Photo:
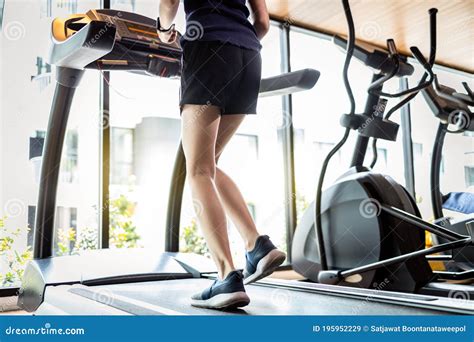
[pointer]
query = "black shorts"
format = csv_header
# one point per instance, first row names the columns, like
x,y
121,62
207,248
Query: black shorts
x,y
222,75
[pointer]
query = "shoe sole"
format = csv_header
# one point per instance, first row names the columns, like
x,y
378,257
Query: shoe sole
x,y
266,266
225,301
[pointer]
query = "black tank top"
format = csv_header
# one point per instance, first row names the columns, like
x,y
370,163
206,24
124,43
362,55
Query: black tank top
x,y
220,20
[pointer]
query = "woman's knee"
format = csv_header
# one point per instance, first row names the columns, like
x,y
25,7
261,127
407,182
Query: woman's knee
x,y
200,171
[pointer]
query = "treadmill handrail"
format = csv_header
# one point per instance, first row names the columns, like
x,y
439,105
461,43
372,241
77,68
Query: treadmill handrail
x,y
87,45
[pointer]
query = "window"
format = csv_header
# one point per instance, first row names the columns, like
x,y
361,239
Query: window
x,y
43,73
54,8
417,150
468,134
121,155
125,5
455,168
66,231
250,141
316,112
2,5
31,225
323,148
382,158
469,168
25,121
69,167
469,175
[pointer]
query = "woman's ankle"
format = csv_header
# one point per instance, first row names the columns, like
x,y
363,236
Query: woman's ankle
x,y
223,273
250,242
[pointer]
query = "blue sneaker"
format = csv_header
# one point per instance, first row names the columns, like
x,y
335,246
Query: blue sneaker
x,y
263,260
224,294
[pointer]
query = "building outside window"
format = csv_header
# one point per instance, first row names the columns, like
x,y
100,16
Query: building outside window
x,y
121,155
66,230
69,163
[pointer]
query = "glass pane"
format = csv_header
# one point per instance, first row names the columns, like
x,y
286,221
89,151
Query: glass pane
x,y
145,132
316,113
253,159
458,151
27,89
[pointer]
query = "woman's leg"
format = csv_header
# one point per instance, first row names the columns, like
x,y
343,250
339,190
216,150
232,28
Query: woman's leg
x,y
200,125
263,258
230,195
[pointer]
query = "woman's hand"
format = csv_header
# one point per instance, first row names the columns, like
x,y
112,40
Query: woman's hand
x,y
168,37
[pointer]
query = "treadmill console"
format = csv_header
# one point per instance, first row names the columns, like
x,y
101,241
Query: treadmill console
x,y
114,40
134,27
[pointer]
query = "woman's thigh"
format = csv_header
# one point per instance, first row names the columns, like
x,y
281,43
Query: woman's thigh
x,y
200,127
227,128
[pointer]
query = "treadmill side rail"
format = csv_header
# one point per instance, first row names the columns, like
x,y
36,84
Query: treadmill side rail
x,y
33,286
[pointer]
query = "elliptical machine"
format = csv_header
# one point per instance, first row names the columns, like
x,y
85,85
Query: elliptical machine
x,y
452,110
365,230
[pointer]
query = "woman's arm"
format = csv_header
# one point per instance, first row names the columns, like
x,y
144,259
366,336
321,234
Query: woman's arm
x,y
261,17
168,10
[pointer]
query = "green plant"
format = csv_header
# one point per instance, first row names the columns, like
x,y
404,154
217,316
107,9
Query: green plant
x,y
12,260
66,238
193,241
87,239
123,232
301,205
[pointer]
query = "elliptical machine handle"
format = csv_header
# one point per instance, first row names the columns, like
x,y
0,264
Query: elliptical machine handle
x,y
427,65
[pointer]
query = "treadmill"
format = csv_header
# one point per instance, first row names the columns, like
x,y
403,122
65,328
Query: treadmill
x,y
141,281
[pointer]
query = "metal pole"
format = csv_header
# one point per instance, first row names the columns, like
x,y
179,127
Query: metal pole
x,y
436,161
407,142
288,146
67,81
360,149
104,199
175,199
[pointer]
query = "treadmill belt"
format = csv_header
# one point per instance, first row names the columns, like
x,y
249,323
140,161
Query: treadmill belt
x,y
171,297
